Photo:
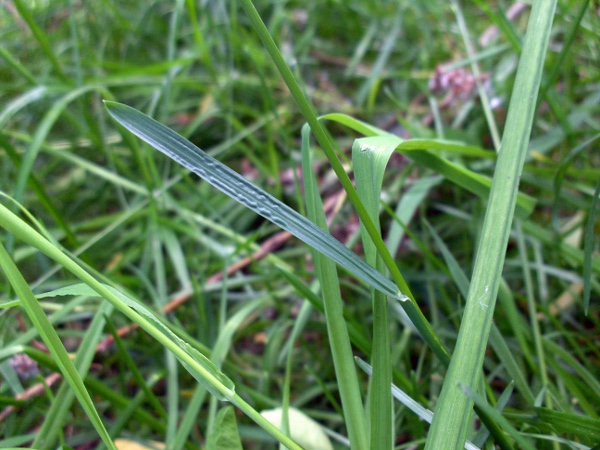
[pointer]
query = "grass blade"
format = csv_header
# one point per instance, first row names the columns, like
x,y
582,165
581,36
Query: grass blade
x,y
588,249
407,400
459,277
451,419
341,349
322,137
202,369
96,387
369,163
406,208
422,151
585,428
55,419
53,342
42,38
499,419
231,183
41,134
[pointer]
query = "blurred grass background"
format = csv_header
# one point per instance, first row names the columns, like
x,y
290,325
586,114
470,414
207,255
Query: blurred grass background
x,y
141,221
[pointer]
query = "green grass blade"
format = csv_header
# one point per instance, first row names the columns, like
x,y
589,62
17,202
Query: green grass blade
x,y
42,38
585,375
485,101
55,418
399,394
453,411
501,348
231,183
53,342
407,400
559,176
498,418
421,151
459,277
190,417
19,103
45,199
567,251
534,321
133,406
225,434
40,136
136,374
16,65
327,146
484,432
341,349
588,247
98,388
585,428
200,367
406,208
497,342
587,400
357,336
369,161
517,323
370,85
373,154
97,170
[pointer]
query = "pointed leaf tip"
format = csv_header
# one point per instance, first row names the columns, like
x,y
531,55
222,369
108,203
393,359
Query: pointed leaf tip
x,y
241,190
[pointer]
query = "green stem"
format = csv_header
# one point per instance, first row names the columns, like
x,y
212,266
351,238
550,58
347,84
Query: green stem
x,y
21,230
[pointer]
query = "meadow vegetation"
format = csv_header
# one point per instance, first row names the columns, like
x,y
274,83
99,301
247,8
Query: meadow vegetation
x,y
394,212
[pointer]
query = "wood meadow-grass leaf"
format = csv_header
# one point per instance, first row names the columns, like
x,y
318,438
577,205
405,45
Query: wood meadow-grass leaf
x,y
238,188
452,413
423,152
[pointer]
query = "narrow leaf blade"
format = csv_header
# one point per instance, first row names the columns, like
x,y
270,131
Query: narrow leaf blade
x,y
231,183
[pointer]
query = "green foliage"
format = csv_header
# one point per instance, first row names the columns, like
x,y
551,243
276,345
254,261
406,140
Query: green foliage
x,y
391,252
225,434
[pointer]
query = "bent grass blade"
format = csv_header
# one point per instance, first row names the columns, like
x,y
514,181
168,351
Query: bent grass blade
x,y
138,313
422,151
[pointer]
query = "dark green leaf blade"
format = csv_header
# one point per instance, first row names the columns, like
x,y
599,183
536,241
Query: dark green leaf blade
x,y
231,183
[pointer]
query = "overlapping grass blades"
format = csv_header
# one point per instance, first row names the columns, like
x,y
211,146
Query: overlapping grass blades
x,y
366,203
370,157
231,183
58,413
337,330
197,364
424,152
241,190
369,179
181,67
328,148
53,342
